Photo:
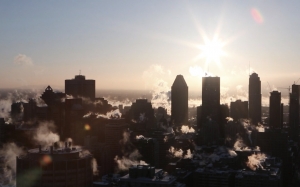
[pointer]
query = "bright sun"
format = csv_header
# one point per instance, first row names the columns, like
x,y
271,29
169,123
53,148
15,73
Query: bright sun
x,y
211,50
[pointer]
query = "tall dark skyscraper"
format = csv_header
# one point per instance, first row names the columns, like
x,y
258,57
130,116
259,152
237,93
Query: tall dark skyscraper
x,y
254,98
294,112
210,99
80,87
275,110
179,101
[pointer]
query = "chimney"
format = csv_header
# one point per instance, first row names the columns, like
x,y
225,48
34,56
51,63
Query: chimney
x,y
66,145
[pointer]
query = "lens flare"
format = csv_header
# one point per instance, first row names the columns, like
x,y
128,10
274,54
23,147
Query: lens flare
x,y
46,159
256,15
87,127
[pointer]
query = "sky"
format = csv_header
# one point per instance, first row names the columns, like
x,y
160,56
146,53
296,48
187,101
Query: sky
x,y
134,45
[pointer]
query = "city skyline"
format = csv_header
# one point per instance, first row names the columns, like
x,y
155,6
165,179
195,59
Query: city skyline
x,y
45,43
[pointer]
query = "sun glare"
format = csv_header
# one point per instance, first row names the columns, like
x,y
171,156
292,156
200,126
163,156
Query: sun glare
x,y
212,50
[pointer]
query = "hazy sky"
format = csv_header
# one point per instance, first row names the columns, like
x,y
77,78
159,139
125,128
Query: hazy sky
x,y
134,44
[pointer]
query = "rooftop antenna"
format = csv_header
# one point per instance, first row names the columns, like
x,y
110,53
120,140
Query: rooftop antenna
x,y
297,81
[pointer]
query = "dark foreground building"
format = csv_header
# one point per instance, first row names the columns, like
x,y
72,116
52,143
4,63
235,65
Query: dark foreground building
x,y
179,101
55,167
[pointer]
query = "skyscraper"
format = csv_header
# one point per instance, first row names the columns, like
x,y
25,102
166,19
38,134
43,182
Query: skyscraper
x,y
210,99
294,112
80,87
179,101
275,110
254,98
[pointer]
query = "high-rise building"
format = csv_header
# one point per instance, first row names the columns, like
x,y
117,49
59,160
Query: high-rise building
x,y
68,166
179,101
254,98
210,99
294,112
80,87
275,110
239,109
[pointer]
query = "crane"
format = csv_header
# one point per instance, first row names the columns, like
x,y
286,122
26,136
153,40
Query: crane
x,y
289,88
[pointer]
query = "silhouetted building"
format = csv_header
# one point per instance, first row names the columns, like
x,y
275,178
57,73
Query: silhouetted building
x,y
142,114
239,109
30,110
51,98
73,113
294,112
80,87
254,98
276,112
149,149
210,110
113,134
67,166
179,101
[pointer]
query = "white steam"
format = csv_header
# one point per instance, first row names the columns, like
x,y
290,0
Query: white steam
x,y
8,155
186,129
44,134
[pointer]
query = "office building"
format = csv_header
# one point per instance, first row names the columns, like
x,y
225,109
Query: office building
x,y
294,112
80,87
239,110
210,110
254,98
179,101
60,167
275,111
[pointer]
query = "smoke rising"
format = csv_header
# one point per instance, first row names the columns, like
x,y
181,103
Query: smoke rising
x,y
186,129
255,161
44,134
8,155
130,155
